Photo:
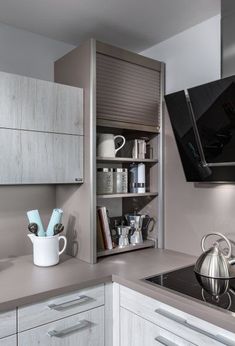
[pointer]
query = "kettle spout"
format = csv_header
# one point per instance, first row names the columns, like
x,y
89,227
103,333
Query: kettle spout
x,y
31,237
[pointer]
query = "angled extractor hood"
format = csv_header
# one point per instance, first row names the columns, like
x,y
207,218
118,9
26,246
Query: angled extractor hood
x,y
203,117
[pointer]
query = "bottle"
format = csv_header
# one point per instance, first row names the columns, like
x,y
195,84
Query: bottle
x,y
141,178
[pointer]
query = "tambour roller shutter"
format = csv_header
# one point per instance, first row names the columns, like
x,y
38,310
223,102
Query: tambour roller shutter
x,y
127,92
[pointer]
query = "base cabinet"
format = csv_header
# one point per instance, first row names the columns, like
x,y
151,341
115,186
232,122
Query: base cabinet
x,y
84,329
136,331
9,341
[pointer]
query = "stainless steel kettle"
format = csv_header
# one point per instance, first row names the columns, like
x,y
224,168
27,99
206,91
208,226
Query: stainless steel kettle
x,y
214,263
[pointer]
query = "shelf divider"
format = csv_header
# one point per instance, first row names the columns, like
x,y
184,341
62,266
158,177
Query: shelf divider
x,y
128,195
124,159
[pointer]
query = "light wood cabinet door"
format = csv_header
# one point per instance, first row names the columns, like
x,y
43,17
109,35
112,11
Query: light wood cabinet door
x,y
7,323
55,308
85,329
28,157
9,341
32,104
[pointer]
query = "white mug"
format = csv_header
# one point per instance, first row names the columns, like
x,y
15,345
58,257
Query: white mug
x,y
106,145
46,251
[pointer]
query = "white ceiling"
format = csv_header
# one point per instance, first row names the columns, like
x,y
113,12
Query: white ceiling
x,y
132,24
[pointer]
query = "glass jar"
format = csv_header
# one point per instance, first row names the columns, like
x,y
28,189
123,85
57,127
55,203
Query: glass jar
x,y
104,181
120,180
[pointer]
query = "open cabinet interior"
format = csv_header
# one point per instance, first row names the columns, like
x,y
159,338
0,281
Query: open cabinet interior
x,y
123,93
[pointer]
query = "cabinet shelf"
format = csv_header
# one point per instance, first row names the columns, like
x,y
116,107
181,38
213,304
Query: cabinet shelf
x,y
124,160
128,195
145,244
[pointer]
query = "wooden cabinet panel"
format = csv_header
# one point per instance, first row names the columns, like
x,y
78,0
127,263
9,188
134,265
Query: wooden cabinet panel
x,y
29,157
127,92
82,329
31,104
188,327
7,323
136,331
9,341
59,307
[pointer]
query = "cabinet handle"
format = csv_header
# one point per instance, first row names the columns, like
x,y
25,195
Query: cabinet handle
x,y
164,341
184,322
66,305
76,328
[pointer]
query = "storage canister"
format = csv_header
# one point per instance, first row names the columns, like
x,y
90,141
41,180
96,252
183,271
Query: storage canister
x,y
104,181
120,180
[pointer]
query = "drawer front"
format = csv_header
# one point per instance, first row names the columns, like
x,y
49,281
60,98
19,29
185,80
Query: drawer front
x,y
59,307
9,341
82,329
136,331
186,326
7,323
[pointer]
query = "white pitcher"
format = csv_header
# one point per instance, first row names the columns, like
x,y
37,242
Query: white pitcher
x,y
106,145
46,251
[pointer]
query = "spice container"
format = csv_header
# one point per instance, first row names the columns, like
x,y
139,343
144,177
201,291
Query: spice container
x,y
120,180
104,181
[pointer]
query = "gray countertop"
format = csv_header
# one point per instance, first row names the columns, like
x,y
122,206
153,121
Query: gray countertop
x,y
23,283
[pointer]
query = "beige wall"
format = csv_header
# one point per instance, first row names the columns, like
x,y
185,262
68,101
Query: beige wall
x,y
31,55
192,57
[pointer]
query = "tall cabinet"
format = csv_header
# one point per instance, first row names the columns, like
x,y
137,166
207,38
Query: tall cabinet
x,y
123,94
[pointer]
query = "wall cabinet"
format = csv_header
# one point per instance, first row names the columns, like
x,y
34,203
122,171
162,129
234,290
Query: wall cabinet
x,y
41,131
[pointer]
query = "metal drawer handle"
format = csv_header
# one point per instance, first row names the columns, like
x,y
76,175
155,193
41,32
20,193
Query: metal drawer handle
x,y
76,328
164,341
184,322
66,305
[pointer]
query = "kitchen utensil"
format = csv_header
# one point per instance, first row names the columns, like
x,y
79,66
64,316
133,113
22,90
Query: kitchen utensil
x,y
46,251
136,237
106,144
123,232
56,218
213,262
104,181
148,224
58,228
135,149
33,228
34,217
141,149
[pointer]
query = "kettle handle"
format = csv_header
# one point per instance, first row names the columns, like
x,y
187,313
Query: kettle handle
x,y
220,235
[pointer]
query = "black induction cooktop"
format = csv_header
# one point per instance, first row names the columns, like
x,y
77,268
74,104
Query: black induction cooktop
x,y
218,292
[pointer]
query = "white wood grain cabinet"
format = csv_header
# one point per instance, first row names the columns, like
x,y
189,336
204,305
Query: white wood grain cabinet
x,y
9,341
7,323
32,104
174,321
84,329
41,132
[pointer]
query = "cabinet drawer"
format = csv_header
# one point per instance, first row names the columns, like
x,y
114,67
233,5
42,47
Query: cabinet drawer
x,y
82,329
182,324
136,331
59,307
9,341
7,323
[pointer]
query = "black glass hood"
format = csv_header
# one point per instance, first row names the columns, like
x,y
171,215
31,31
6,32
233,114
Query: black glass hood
x,y
203,121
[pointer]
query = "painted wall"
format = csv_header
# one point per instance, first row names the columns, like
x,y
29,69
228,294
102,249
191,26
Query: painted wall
x,y
31,55
192,57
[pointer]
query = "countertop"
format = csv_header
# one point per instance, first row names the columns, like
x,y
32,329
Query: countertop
x,y
23,283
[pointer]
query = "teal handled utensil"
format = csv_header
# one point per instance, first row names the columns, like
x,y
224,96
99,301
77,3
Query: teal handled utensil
x,y
33,228
34,217
58,228
55,219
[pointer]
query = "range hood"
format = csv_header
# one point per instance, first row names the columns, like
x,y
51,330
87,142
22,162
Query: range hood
x,y
203,117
